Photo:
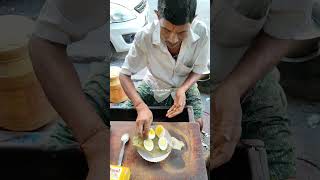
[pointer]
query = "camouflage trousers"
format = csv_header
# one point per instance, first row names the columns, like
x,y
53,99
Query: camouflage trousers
x,y
264,117
193,99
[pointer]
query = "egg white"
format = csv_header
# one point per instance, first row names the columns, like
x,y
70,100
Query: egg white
x,y
148,144
151,134
163,143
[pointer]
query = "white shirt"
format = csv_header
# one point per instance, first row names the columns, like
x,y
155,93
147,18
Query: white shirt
x,y
165,74
66,22
234,28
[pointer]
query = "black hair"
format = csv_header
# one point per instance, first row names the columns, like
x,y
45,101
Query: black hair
x,y
178,12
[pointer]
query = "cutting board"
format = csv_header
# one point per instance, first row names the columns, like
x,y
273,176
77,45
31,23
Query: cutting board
x,y
185,164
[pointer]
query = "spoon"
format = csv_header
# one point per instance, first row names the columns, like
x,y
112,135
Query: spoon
x,y
124,139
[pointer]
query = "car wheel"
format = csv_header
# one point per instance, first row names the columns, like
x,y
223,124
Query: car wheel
x,y
114,55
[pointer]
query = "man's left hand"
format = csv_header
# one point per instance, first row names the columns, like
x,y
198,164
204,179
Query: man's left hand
x,y
179,103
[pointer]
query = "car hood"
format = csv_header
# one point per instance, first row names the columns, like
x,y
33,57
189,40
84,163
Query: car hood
x,y
130,4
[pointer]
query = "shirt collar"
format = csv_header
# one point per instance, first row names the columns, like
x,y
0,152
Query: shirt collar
x,y
193,37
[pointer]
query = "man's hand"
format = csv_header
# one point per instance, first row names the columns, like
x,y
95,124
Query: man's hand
x,y
96,150
179,104
144,119
227,115
264,54
54,69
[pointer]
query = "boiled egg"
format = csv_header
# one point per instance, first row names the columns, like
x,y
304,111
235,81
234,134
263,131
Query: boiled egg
x,y
160,131
151,134
163,143
148,144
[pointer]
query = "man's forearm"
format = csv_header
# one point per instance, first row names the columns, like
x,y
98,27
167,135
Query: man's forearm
x,y
191,79
265,53
130,90
61,85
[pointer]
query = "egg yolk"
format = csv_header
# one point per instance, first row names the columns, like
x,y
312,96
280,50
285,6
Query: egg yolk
x,y
151,134
160,130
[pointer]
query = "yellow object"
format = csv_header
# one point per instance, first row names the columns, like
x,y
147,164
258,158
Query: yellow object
x,y
151,134
160,131
24,106
119,173
117,94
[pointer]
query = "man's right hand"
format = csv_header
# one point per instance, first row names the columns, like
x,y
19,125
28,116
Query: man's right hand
x,y
227,115
144,119
96,150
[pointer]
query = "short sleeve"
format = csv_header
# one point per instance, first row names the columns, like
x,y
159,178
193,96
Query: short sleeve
x,y
136,59
293,19
65,22
203,53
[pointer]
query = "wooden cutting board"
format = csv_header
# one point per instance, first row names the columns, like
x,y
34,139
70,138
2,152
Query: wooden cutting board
x,y
185,164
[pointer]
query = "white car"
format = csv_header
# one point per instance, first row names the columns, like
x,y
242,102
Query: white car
x,y
127,17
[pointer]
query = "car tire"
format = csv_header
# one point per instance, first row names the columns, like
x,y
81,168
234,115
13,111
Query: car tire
x,y
114,55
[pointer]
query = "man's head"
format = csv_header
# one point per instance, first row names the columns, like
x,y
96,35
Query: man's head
x,y
175,17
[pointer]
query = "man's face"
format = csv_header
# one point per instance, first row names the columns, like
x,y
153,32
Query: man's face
x,y
173,35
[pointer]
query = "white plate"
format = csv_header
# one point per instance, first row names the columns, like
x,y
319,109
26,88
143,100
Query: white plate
x,y
146,156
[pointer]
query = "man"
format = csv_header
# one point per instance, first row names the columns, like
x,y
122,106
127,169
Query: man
x,y
59,24
175,49
249,39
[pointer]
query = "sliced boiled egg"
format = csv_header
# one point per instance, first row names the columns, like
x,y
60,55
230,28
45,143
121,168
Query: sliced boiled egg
x,y
151,134
160,131
148,144
163,143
